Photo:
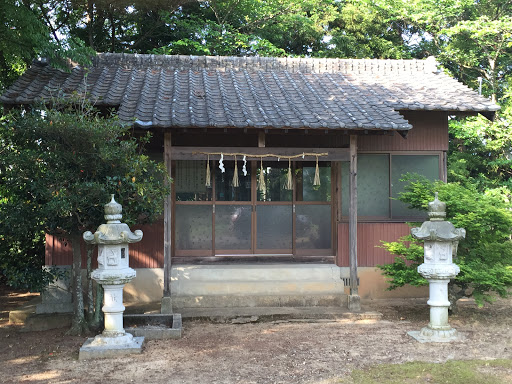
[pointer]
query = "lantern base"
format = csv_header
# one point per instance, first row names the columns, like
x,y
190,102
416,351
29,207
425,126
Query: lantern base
x,y
429,335
101,347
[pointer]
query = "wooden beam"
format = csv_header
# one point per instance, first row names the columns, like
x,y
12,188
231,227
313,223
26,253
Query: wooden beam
x,y
167,218
353,216
198,153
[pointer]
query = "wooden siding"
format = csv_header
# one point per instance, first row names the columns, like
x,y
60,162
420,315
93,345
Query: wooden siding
x,y
429,133
57,251
148,253
369,236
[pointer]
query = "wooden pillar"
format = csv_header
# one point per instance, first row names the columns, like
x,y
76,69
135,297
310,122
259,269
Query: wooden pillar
x,y
166,300
354,301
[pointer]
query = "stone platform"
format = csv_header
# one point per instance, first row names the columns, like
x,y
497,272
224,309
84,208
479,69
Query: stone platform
x,y
153,326
91,349
436,336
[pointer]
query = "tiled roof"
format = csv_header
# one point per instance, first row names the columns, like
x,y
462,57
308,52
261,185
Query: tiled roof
x,y
202,91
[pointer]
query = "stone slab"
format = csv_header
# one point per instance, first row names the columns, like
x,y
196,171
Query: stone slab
x,y
154,326
57,298
27,317
436,339
88,352
54,307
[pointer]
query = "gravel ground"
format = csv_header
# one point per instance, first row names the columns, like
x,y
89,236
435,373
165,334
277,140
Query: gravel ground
x,y
314,351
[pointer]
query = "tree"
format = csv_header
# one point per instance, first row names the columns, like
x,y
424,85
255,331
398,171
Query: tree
x,y
59,168
484,256
368,29
28,32
248,27
20,33
481,152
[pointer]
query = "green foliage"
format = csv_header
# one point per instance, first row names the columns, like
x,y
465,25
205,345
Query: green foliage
x,y
20,33
409,255
57,170
21,260
453,372
367,29
27,32
484,256
247,27
480,152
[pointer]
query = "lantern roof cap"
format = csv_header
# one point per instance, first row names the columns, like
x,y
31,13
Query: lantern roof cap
x,y
437,229
113,232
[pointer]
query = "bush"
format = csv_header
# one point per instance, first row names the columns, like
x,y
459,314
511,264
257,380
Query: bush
x,y
484,256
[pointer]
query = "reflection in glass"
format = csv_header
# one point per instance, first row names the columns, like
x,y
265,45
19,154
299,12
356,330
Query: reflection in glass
x,y
426,165
233,227
306,191
190,180
225,191
274,228
313,226
193,227
276,174
372,186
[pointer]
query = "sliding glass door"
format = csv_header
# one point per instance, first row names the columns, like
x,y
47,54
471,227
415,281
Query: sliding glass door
x,y
272,210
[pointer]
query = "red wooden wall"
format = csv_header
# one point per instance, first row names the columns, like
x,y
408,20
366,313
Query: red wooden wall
x,y
369,236
148,253
429,133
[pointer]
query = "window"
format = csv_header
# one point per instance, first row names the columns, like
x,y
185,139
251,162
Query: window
x,y
305,173
225,191
378,184
275,174
425,165
190,180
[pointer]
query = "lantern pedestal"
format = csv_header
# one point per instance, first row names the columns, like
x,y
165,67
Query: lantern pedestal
x,y
438,330
113,341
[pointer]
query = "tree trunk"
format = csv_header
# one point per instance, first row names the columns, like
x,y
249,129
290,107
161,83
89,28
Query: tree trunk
x,y
90,293
90,23
98,313
112,30
78,323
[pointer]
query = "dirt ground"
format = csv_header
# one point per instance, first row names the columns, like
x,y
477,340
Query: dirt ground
x,y
279,352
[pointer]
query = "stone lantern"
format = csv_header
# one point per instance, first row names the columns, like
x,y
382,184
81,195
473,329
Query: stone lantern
x,y
113,273
440,245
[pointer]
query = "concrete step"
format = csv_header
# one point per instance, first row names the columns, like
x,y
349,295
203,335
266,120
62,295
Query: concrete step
x,y
257,272
268,300
240,315
251,280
